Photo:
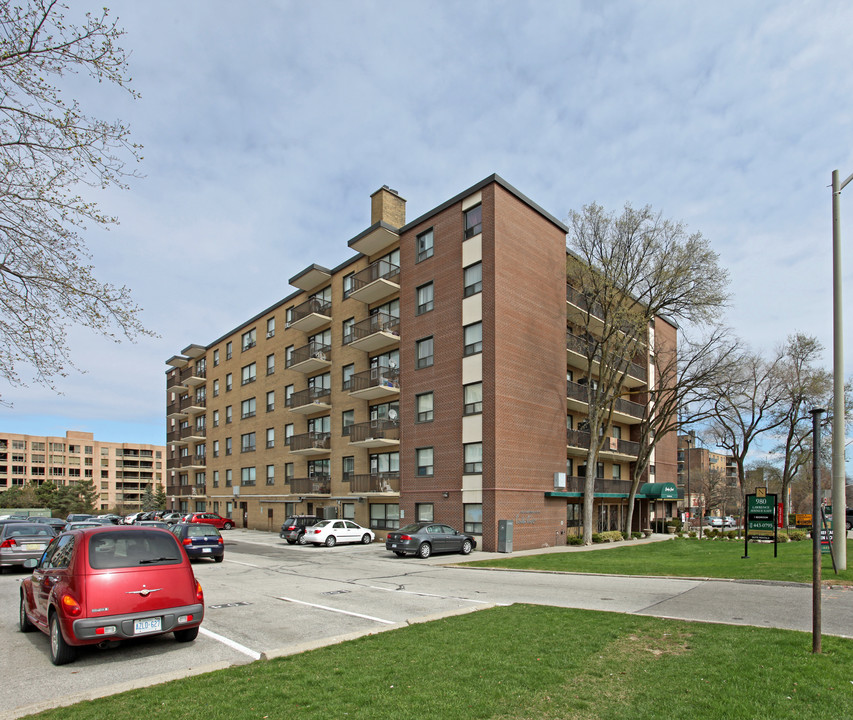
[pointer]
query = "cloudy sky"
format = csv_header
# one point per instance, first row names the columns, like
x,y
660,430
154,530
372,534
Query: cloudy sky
x,y
267,124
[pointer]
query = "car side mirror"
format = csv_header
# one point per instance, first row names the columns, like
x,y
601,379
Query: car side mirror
x,y
31,563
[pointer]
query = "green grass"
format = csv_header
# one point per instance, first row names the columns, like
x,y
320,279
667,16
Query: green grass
x,y
519,662
687,558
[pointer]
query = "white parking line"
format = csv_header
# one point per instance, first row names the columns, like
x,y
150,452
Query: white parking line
x,y
237,562
335,610
230,643
423,594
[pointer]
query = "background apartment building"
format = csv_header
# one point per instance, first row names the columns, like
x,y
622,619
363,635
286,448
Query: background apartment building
x,y
430,376
121,472
707,480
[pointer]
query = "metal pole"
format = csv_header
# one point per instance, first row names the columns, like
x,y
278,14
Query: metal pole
x,y
816,614
689,499
839,500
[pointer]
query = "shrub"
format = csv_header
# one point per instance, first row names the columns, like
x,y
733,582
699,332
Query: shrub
x,y
691,534
796,535
611,536
636,535
574,540
674,522
731,534
596,538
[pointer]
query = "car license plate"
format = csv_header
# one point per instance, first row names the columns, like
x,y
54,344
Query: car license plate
x,y
33,546
205,549
146,625
393,545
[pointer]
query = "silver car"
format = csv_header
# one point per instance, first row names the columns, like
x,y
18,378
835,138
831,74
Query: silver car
x,y
22,541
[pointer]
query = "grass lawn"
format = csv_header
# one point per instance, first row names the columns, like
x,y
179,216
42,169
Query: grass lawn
x,y
520,662
684,557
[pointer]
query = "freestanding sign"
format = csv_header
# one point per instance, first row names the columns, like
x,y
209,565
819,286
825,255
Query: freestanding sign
x,y
760,518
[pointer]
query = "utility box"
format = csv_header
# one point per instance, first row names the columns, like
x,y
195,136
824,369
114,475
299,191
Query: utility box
x,y
505,536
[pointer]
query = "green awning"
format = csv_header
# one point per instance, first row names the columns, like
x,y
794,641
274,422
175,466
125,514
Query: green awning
x,y
660,491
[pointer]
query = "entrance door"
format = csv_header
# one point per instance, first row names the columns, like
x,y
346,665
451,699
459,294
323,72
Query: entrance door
x,y
244,507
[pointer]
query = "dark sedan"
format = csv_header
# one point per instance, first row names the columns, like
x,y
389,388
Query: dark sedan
x,y
424,539
200,540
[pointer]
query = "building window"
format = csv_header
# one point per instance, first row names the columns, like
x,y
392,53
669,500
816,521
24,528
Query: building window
x,y
249,374
270,474
271,327
384,516
247,409
229,476
474,399
473,279
270,364
248,340
617,472
288,472
288,317
347,419
347,467
216,448
247,476
424,512
288,355
228,382
423,353
216,478
271,401
228,446
423,299
346,327
423,462
270,437
474,518
474,338
423,407
228,352
473,221
424,245
216,418
215,358
288,394
227,414
347,284
247,442
288,433
347,372
473,458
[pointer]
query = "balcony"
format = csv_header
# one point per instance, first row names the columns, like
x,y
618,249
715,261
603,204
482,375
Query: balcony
x,y
194,377
602,485
193,462
312,400
186,490
376,383
193,434
174,438
375,434
378,332
624,411
577,350
577,442
314,485
311,315
378,237
387,482
311,443
376,282
175,383
310,357
174,411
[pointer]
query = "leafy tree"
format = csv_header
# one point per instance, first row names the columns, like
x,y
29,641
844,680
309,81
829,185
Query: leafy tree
x,y
624,272
50,148
44,494
160,498
148,501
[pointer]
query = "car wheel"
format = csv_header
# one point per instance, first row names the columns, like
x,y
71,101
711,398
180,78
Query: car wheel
x,y
399,554
23,621
365,539
425,550
466,547
331,541
218,558
302,539
227,526
187,635
849,525
61,652
291,542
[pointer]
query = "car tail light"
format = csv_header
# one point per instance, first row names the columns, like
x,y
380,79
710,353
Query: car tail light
x,y
292,527
199,593
317,532
183,619
187,541
70,605
8,543
108,630
221,541
405,537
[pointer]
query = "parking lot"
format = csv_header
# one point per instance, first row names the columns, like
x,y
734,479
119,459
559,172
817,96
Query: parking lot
x,y
269,599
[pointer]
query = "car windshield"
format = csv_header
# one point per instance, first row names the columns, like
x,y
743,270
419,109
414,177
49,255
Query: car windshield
x,y
202,531
410,528
132,548
29,530
322,523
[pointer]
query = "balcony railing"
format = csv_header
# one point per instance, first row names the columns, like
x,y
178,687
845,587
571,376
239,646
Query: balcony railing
x,y
602,485
578,391
377,281
378,377
581,439
307,397
374,430
387,482
583,347
193,461
186,490
320,441
315,485
312,306
311,351
380,322
193,432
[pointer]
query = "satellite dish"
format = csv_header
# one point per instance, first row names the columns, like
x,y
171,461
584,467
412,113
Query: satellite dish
x,y
392,365
392,415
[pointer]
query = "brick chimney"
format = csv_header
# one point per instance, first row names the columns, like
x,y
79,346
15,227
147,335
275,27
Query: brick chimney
x,y
387,206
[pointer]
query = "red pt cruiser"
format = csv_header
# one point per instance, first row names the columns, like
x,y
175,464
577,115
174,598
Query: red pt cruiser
x,y
111,583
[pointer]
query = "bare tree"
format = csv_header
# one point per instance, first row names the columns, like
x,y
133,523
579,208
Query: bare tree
x,y
684,376
625,271
50,152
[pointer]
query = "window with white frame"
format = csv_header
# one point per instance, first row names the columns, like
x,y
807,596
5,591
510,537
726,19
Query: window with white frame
x,y
247,442
424,243
473,458
270,474
248,339
423,461
424,299
474,338
271,327
473,518
228,382
247,476
249,373
227,414
270,400
423,353
247,408
473,398
270,438
270,363
423,407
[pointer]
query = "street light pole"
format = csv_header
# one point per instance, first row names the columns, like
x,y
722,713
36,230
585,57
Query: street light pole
x,y
839,500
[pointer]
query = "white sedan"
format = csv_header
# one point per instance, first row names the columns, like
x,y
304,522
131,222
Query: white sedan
x,y
331,532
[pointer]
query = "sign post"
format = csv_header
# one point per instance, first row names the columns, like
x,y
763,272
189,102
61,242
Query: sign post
x,y
816,608
760,519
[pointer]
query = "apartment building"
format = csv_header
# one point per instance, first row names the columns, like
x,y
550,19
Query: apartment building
x,y
430,376
707,480
121,472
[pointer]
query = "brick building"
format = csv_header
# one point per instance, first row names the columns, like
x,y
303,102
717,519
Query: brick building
x,y
423,378
121,472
